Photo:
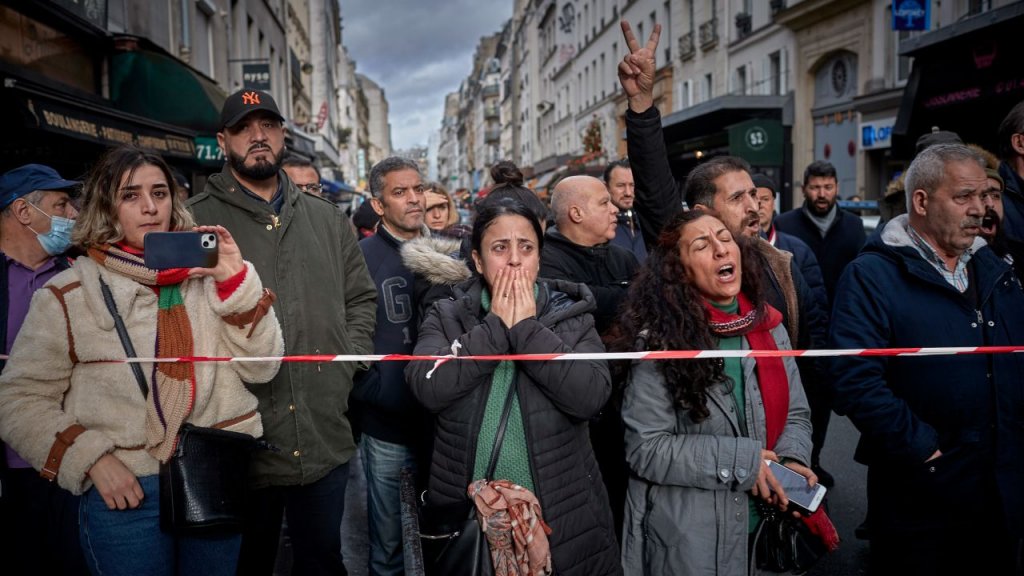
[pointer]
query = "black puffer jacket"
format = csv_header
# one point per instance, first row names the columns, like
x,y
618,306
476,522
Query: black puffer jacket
x,y
606,269
556,398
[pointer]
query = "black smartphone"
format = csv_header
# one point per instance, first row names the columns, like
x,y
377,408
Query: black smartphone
x,y
804,498
165,250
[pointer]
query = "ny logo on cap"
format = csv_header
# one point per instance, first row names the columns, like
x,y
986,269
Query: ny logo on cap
x,y
250,98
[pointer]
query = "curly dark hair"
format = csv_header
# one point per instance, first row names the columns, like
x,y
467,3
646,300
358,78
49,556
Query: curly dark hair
x,y
664,311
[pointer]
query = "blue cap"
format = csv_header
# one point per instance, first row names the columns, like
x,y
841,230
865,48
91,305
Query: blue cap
x,y
29,178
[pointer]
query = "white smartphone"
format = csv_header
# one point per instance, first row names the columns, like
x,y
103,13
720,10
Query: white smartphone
x,y
805,498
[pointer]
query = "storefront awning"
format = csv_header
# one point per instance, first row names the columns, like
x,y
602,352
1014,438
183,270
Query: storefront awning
x,y
718,114
91,120
966,78
146,81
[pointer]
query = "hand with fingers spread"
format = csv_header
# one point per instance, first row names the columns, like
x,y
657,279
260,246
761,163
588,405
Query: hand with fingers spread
x,y
636,71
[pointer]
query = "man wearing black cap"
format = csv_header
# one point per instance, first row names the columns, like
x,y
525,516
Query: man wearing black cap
x,y
40,519
305,251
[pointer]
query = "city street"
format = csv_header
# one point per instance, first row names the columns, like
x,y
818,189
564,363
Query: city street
x,y
846,508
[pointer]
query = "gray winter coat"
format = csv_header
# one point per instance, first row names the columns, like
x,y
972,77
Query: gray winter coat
x,y
686,507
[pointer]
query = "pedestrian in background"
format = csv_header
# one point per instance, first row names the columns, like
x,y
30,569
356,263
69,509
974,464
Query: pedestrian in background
x,y
40,518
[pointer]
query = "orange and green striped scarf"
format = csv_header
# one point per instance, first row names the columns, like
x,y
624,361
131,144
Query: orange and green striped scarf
x,y
172,383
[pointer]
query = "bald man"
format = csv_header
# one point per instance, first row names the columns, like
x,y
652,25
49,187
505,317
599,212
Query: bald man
x,y
577,248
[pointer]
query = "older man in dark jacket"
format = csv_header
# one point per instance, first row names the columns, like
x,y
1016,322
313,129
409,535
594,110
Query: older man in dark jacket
x,y
941,435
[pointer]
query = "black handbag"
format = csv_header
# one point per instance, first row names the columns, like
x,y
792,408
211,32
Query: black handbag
x,y
203,485
451,539
783,543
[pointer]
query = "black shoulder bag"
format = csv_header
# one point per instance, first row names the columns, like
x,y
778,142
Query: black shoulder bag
x,y
451,539
203,485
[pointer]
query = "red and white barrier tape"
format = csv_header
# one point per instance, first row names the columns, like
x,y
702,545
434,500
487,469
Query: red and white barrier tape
x,y
651,355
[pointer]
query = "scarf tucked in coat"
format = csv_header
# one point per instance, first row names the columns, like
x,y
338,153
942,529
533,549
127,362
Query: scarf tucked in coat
x,y
173,388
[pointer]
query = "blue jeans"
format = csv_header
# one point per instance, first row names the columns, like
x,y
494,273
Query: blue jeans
x,y
130,542
383,462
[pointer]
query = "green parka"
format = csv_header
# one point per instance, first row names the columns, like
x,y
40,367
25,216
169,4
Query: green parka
x,y
326,303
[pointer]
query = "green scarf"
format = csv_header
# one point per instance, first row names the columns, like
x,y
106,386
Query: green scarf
x,y
173,383
514,459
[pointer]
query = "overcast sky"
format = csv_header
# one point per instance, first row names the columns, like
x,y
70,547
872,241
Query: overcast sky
x,y
418,51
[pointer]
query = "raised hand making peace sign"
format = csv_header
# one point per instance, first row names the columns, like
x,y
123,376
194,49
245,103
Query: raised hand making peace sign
x,y
636,71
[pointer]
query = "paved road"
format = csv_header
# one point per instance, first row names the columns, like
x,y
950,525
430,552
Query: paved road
x,y
847,501
846,508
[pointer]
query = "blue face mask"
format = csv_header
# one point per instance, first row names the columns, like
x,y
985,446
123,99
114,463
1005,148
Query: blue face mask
x,y
58,239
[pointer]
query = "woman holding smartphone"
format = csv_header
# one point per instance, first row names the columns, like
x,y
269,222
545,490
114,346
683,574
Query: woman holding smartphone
x,y
83,420
698,432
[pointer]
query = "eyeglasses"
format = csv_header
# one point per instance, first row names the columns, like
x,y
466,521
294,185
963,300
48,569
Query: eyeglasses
x,y
312,187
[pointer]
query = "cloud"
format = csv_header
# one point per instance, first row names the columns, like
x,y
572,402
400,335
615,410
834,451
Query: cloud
x,y
418,51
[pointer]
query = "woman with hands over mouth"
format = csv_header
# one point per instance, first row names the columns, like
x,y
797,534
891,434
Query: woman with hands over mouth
x,y
80,416
698,432
506,309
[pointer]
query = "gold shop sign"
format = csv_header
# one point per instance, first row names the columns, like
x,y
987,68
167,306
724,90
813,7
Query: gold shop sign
x,y
109,131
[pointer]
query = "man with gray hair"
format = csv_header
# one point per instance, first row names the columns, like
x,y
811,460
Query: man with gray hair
x,y
391,420
940,434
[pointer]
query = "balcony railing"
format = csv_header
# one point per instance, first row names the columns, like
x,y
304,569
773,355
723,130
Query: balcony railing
x,y
777,6
709,34
492,135
490,90
492,112
686,47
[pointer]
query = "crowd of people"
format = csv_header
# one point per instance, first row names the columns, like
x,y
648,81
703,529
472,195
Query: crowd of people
x,y
624,467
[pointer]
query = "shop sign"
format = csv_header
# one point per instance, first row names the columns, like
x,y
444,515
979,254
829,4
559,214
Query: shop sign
x,y
107,131
208,152
256,76
876,134
911,14
757,141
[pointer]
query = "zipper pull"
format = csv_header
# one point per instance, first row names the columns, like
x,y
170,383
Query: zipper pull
x,y
980,319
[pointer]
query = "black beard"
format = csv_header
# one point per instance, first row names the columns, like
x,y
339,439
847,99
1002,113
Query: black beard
x,y
261,171
814,209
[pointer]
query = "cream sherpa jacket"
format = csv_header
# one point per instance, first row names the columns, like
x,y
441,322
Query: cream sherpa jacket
x,y
43,389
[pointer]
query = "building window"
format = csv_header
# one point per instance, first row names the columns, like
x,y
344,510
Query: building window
x,y
775,73
740,81
706,91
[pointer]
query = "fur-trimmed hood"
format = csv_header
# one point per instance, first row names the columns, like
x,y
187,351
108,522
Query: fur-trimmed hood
x,y
435,259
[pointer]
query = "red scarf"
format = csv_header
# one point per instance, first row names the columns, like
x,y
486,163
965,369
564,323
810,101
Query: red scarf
x,y
771,373
774,384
